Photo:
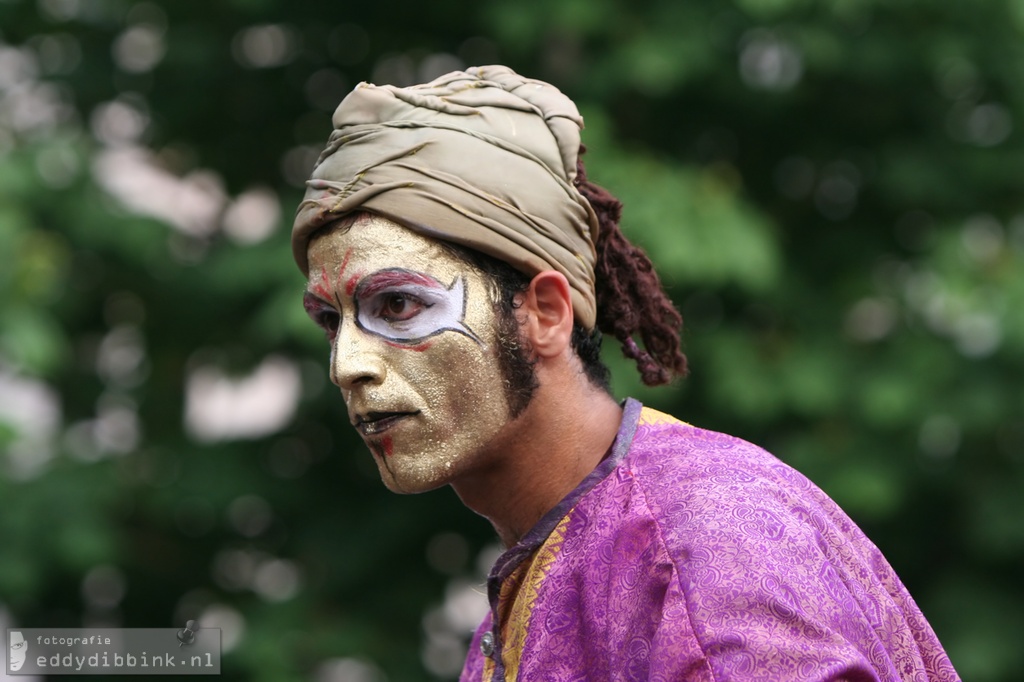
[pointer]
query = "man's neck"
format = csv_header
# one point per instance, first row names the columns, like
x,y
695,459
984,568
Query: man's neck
x,y
542,456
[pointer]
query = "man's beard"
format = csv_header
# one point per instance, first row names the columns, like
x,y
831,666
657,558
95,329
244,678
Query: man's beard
x,y
517,369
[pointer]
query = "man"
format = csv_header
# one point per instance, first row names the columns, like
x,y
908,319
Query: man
x,y
19,650
461,265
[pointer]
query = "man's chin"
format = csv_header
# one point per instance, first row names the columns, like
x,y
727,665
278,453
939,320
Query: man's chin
x,y
405,487
406,482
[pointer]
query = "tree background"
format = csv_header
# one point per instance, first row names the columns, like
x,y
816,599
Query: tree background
x,y
830,189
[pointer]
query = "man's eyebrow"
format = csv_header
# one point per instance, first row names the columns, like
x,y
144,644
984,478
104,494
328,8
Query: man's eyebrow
x,y
312,301
394,277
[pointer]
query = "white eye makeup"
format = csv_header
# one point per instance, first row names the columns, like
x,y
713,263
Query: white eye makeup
x,y
409,307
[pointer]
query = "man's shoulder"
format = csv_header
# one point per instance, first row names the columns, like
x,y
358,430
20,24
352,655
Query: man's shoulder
x,y
697,479
665,446
693,486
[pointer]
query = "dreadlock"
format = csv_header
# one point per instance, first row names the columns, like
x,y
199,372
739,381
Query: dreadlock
x,y
630,299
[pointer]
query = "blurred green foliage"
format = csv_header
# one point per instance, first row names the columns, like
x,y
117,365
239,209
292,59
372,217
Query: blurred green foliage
x,y
831,192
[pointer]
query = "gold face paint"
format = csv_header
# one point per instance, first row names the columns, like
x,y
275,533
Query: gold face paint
x,y
413,349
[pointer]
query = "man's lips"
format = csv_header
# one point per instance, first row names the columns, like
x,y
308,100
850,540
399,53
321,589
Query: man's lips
x,y
375,423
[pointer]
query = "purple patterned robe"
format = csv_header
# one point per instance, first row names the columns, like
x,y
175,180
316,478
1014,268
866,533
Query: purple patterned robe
x,y
692,555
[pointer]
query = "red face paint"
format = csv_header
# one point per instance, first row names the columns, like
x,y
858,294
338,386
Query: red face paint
x,y
386,279
350,285
321,288
344,263
312,304
383,447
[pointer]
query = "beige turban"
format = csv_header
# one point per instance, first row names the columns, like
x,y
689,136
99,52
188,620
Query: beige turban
x,y
483,158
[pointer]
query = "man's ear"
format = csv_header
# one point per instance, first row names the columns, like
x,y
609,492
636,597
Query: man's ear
x,y
547,307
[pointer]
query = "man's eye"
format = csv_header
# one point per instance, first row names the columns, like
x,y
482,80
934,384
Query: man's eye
x,y
325,317
329,321
396,307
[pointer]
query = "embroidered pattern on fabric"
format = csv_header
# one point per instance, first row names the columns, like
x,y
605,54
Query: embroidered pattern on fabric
x,y
523,588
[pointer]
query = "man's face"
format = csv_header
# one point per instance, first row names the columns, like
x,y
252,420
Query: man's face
x,y
413,349
19,648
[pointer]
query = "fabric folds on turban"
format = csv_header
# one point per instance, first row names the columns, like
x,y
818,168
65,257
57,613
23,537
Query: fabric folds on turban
x,y
483,158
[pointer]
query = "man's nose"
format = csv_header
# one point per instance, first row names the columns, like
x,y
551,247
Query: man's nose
x,y
356,358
